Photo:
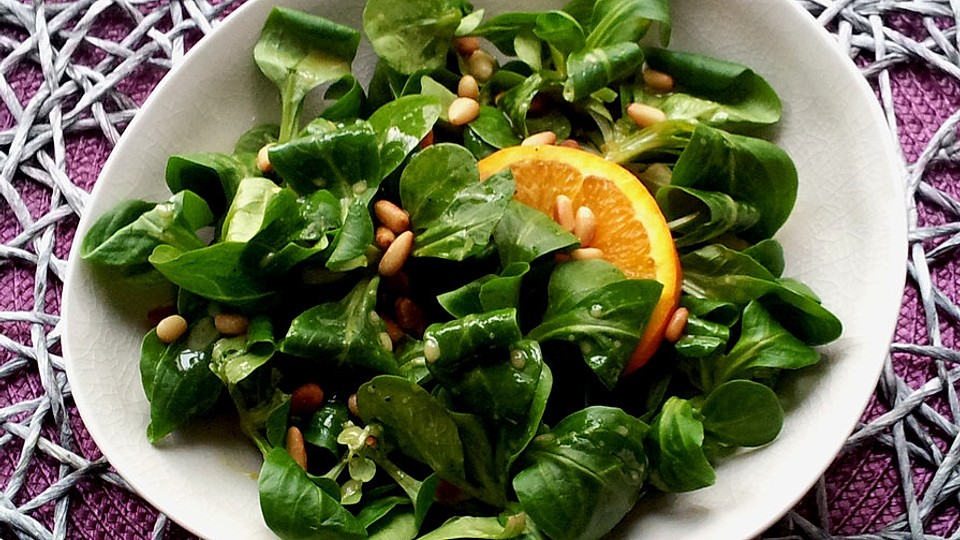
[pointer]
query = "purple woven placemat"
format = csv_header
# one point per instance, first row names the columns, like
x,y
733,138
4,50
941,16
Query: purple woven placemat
x,y
72,75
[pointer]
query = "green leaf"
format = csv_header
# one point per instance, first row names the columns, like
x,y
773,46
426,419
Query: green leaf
x,y
176,377
125,236
411,35
487,293
325,425
742,413
455,342
697,216
717,273
493,528
298,52
211,175
592,69
349,100
579,479
344,334
561,31
345,161
751,170
452,213
235,358
245,217
675,444
296,508
763,345
716,92
417,421
400,126
593,305
493,128
524,234
619,21
352,240
218,272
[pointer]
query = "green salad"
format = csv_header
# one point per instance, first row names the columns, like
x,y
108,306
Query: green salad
x,y
419,355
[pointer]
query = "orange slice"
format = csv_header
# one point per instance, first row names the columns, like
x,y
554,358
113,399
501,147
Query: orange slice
x,y
631,231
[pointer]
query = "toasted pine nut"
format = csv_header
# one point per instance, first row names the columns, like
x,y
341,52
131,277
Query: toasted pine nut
x,y
306,400
585,254
263,159
383,237
658,80
468,87
395,255
427,140
159,313
171,328
352,405
570,143
462,111
466,46
409,316
539,104
296,447
231,324
563,212
644,115
371,441
385,341
391,216
398,283
585,226
677,325
544,137
393,330
481,64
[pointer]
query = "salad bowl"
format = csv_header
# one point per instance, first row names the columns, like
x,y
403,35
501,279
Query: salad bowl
x,y
846,239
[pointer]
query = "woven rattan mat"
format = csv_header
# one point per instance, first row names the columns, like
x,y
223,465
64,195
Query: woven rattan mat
x,y
72,74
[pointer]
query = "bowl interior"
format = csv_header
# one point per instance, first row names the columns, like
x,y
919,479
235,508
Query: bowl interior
x,y
846,239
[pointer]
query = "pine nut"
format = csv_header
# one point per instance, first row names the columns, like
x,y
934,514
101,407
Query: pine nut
x,y
466,46
383,237
171,328
395,255
386,342
658,80
393,329
563,212
644,115
159,313
677,325
306,400
570,143
391,216
296,447
481,64
231,324
462,111
352,405
585,226
398,283
538,105
586,254
371,441
427,140
263,159
409,315
468,87
544,137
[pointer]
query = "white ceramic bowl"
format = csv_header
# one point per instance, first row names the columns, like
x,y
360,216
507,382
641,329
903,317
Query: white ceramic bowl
x,y
846,238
